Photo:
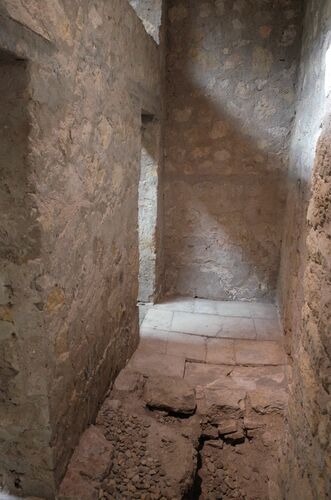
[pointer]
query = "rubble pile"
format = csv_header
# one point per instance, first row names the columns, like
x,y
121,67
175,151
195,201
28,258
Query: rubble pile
x,y
159,438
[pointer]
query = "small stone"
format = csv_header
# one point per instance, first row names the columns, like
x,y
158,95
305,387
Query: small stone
x,y
211,467
215,443
235,437
210,432
268,439
228,427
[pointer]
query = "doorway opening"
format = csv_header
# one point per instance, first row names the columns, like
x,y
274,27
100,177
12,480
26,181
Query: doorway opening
x,y
148,207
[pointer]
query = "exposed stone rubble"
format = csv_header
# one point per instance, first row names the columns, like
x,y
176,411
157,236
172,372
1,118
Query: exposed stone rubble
x,y
165,438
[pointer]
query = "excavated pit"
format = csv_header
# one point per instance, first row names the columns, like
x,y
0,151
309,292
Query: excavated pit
x,y
195,491
157,438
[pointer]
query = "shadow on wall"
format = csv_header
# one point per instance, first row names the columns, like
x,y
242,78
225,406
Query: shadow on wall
x,y
230,102
22,405
19,230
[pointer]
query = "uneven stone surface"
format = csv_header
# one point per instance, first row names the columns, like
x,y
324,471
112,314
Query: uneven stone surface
x,y
174,395
128,380
90,463
227,449
75,79
231,68
186,419
306,269
154,455
307,451
236,470
311,102
263,401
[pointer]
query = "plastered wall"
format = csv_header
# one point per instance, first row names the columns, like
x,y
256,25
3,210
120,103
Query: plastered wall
x,y
69,169
231,71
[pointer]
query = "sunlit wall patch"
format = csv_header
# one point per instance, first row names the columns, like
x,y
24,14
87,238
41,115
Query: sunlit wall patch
x,y
328,72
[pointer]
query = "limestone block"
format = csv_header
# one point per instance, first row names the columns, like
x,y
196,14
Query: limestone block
x,y
209,432
171,394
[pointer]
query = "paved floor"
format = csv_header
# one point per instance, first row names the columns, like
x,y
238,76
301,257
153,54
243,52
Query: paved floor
x,y
203,339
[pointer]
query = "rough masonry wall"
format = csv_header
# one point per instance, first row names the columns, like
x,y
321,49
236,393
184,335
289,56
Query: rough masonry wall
x,y
310,110
231,71
305,286
68,303
23,396
307,466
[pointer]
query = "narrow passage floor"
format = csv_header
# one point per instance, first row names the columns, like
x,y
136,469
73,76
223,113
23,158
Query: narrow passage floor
x,y
196,414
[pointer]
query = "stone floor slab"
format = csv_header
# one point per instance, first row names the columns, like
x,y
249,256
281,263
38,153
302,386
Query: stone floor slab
x,y
158,319
199,374
220,351
177,304
236,328
234,308
263,310
153,344
205,306
188,346
149,364
155,333
153,340
197,324
258,352
267,329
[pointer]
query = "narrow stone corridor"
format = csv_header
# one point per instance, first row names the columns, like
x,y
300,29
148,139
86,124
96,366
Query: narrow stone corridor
x,y
165,249
196,414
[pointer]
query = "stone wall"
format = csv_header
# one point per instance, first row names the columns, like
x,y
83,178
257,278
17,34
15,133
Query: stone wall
x,y
69,169
307,467
310,110
231,70
148,207
23,374
305,287
150,12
